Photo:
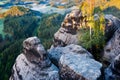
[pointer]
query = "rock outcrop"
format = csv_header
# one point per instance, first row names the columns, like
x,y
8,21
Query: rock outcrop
x,y
73,21
33,63
57,52
77,64
112,49
67,34
112,24
74,62
113,71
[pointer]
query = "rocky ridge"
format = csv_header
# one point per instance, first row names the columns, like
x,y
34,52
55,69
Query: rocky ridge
x,y
66,60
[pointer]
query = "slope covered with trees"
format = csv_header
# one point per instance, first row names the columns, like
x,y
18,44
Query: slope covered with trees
x,y
23,24
49,24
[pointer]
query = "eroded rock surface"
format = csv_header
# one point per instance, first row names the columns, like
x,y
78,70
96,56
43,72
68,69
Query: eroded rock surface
x,y
67,34
77,64
33,63
113,71
57,52
112,49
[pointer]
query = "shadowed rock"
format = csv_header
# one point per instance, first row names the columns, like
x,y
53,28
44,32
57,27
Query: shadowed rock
x,y
112,24
113,71
33,63
112,49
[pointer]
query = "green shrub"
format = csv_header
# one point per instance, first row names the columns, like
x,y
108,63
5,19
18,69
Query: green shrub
x,y
92,38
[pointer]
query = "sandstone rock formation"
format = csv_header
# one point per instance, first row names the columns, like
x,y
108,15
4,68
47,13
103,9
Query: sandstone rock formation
x,y
73,21
77,64
33,63
67,34
74,62
57,52
112,49
112,24
113,71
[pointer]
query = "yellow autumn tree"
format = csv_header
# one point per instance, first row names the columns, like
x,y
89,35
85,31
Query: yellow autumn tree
x,y
92,37
16,11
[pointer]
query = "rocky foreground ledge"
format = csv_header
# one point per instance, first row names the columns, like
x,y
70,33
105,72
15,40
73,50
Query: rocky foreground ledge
x,y
73,62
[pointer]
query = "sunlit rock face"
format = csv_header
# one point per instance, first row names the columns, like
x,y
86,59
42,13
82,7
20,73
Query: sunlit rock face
x,y
33,63
113,71
112,49
67,34
112,24
77,64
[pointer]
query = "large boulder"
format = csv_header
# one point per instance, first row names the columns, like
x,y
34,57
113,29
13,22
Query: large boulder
x,y
77,64
57,52
112,49
67,34
33,63
113,71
